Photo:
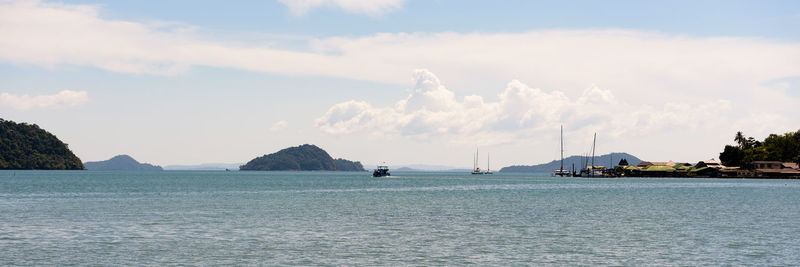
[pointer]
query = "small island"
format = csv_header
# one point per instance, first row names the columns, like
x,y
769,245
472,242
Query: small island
x,y
301,158
27,147
120,163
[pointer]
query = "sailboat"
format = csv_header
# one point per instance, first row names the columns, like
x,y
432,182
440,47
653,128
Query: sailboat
x,y
475,168
593,171
561,171
488,170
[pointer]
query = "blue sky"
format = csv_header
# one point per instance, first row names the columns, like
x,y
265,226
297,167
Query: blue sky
x,y
406,82
770,19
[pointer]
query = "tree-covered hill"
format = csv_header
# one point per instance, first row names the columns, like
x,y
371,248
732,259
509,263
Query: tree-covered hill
x,y
26,146
300,158
120,163
579,161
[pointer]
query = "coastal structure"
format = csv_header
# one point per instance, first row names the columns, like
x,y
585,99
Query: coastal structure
x,y
704,169
775,169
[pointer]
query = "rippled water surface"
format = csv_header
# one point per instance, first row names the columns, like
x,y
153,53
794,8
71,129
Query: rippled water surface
x,y
325,218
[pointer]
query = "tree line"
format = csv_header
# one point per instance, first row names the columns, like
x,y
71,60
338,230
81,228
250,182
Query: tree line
x,y
783,148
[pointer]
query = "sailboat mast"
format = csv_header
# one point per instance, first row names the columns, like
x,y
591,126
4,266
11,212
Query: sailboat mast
x,y
475,159
562,149
487,162
594,142
583,160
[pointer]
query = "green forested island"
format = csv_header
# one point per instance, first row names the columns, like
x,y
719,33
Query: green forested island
x,y
301,158
26,146
120,163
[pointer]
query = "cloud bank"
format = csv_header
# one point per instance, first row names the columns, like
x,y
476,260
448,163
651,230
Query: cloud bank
x,y
64,98
432,110
51,35
367,7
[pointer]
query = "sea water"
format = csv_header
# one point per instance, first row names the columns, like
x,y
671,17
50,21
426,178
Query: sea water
x,y
333,218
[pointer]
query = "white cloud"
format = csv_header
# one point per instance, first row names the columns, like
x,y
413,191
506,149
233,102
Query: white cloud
x,y
278,126
368,7
521,112
51,35
64,98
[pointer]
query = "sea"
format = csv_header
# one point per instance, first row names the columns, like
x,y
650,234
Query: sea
x,y
349,218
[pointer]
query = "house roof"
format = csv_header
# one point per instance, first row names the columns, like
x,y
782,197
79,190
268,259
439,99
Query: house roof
x,y
656,168
791,165
711,163
663,163
682,167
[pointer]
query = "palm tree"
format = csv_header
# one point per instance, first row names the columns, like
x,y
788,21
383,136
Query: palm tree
x,y
740,139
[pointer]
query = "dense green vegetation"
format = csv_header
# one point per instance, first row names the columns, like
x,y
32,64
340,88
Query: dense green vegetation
x,y
120,163
26,146
349,166
784,148
300,158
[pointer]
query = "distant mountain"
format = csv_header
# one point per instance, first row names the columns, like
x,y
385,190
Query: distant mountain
x,y
26,146
120,163
300,158
204,167
578,161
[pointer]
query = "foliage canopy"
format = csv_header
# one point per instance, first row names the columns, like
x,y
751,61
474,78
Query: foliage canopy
x,y
300,158
783,148
26,146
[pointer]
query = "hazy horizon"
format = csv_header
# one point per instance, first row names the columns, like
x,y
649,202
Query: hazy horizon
x,y
404,82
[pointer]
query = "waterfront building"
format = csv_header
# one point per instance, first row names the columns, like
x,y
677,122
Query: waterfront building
x,y
775,169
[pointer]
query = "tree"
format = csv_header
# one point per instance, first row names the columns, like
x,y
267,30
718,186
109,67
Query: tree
x,y
752,143
740,139
732,156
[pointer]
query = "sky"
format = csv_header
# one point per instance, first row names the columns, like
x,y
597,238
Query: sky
x,y
400,81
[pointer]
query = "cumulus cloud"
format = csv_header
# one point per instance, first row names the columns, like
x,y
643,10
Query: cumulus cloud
x,y
367,7
521,111
278,126
64,98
